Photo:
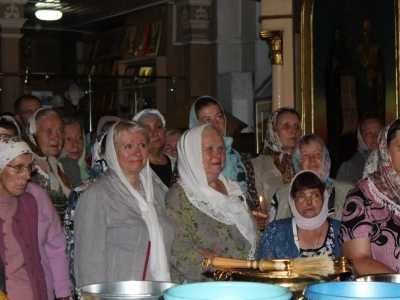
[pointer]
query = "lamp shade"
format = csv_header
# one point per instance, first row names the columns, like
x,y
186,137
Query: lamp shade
x,y
48,14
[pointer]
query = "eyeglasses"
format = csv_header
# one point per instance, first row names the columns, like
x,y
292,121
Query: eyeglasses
x,y
21,168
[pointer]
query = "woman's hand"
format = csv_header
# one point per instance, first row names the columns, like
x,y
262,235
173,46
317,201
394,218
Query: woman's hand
x,y
262,219
207,253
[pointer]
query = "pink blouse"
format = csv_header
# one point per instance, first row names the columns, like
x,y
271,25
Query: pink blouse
x,y
17,280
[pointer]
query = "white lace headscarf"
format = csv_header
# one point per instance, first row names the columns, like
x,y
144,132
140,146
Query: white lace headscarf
x,y
52,162
159,262
228,209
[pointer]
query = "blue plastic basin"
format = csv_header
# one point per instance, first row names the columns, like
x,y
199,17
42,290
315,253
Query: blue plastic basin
x,y
232,290
353,290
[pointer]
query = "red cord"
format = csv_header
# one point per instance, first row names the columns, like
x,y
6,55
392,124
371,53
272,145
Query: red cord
x,y
146,262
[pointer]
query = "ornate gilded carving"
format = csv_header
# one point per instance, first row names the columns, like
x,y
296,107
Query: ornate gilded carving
x,y
275,44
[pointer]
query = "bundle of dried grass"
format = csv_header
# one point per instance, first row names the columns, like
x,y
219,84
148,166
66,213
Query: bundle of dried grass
x,y
317,266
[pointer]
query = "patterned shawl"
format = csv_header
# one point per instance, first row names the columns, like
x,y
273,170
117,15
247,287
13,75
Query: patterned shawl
x,y
57,178
273,147
384,183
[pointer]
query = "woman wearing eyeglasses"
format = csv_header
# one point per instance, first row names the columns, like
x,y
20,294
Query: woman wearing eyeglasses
x,y
32,243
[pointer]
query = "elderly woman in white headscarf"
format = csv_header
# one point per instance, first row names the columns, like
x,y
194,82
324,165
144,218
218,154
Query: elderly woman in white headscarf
x,y
208,209
46,136
351,171
161,164
312,154
33,244
121,229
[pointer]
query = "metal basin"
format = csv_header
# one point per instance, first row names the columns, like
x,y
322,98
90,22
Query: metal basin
x,y
353,290
124,290
380,277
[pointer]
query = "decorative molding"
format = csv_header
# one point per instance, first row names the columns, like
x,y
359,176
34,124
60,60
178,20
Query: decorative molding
x,y
12,35
275,43
11,11
201,13
12,23
192,19
199,24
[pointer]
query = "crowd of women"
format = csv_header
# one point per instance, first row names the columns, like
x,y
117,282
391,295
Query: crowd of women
x,y
150,204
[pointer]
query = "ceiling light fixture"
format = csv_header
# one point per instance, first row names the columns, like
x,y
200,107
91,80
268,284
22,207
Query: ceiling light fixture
x,y
48,14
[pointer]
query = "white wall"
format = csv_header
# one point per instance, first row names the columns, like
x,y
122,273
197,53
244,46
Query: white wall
x,y
242,57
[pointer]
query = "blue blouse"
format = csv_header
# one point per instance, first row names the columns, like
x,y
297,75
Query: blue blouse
x,y
278,241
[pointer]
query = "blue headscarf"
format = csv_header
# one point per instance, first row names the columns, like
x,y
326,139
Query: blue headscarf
x,y
234,168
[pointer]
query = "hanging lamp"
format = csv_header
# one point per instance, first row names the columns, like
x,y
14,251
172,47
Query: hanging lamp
x,y
48,14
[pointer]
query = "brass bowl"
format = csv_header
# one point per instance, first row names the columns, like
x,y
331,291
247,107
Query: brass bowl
x,y
294,282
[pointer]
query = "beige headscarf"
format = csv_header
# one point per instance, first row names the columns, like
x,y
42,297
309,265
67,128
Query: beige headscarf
x,y
56,176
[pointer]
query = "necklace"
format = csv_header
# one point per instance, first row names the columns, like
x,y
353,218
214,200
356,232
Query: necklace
x,y
310,251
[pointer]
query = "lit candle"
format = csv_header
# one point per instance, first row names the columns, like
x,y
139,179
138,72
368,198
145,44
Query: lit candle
x,y
261,200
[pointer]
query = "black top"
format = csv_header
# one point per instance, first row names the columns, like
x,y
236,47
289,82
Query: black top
x,y
164,172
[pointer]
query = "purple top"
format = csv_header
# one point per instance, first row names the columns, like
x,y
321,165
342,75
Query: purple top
x,y
364,217
52,245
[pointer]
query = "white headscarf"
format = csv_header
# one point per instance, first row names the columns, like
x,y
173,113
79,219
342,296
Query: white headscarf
x,y
52,162
103,120
10,148
12,120
159,262
139,117
309,223
227,209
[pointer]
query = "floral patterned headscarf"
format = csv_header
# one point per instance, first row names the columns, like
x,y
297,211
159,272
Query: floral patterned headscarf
x,y
384,183
273,146
10,148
